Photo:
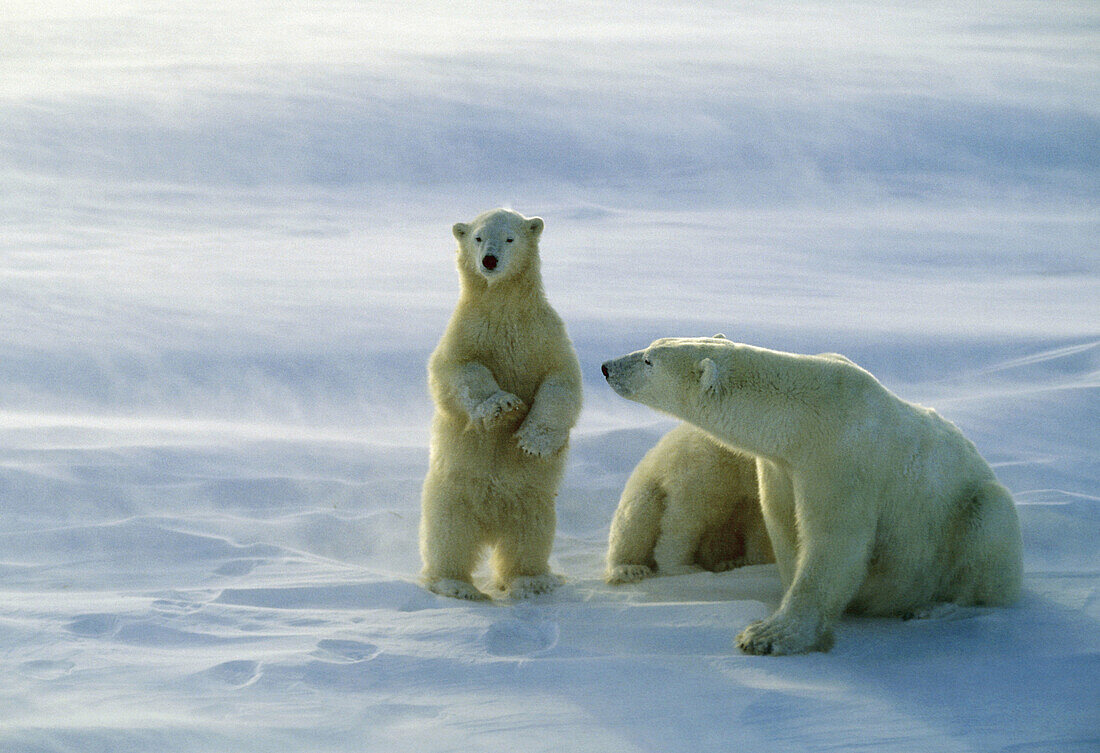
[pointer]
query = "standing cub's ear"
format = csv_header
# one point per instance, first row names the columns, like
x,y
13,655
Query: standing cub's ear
x,y
708,375
719,336
460,229
534,227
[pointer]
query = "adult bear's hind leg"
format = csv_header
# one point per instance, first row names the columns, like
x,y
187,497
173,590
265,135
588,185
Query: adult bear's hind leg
x,y
989,567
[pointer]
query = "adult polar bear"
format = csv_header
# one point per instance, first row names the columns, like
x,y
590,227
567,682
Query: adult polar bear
x,y
873,504
507,390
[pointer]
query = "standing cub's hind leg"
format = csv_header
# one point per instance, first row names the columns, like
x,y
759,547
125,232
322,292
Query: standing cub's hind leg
x,y
450,543
521,556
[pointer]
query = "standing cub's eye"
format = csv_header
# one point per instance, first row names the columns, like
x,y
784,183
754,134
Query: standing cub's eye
x,y
478,239
509,240
646,361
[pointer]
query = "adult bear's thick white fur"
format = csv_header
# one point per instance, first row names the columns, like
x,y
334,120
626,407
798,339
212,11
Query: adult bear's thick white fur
x,y
873,504
507,390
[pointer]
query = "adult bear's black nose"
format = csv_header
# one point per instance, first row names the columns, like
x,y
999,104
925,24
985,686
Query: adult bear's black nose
x,y
604,369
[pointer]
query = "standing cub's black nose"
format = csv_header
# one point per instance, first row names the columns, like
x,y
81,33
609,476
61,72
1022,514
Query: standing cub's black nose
x,y
490,262
604,369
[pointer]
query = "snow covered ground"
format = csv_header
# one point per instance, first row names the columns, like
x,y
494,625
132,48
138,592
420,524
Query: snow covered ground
x,y
225,254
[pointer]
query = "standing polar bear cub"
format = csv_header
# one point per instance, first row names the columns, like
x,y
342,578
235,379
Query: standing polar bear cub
x,y
873,504
690,501
507,390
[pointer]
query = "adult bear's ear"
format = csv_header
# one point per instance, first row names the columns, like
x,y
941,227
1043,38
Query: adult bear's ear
x,y
460,230
708,375
534,227
719,336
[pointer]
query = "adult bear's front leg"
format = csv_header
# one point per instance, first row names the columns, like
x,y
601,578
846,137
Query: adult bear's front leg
x,y
836,534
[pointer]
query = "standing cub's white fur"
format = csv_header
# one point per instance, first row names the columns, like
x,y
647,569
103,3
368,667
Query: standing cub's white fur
x,y
689,501
873,504
507,390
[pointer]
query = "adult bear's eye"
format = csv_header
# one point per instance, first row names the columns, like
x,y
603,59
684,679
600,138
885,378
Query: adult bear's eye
x,y
509,240
647,362
478,239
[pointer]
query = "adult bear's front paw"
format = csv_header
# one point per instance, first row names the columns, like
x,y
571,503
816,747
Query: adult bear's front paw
x,y
782,634
495,407
540,440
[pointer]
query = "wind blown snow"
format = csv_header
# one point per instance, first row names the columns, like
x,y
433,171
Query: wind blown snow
x,y
225,255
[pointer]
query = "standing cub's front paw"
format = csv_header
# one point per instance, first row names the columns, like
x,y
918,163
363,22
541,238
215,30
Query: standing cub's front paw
x,y
495,407
540,440
781,634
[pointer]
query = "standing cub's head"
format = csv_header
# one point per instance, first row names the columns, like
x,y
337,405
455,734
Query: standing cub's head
x,y
498,245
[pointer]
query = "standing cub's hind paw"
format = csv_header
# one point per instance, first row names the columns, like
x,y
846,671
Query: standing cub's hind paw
x,y
456,589
621,574
532,585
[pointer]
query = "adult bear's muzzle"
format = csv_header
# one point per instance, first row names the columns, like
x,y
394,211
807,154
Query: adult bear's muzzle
x,y
621,375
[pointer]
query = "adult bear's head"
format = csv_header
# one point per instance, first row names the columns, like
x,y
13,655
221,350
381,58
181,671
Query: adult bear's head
x,y
499,245
761,401
669,371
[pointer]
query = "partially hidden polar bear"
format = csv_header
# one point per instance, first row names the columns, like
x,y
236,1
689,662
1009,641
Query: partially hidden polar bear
x,y
690,501
507,391
873,504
